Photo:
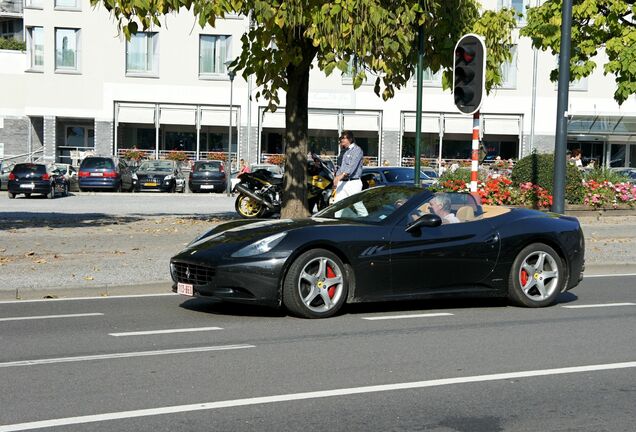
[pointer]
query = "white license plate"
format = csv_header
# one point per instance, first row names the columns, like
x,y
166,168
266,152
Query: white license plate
x,y
97,174
27,185
207,186
185,289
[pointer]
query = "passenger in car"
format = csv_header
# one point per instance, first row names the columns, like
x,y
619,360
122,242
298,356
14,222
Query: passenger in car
x,y
441,206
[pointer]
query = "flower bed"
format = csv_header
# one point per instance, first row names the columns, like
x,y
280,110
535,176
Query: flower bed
x,y
500,190
606,194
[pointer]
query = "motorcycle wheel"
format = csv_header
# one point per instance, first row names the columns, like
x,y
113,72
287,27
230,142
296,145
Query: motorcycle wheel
x,y
248,208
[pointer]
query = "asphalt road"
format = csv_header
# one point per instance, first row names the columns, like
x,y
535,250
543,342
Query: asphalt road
x,y
74,365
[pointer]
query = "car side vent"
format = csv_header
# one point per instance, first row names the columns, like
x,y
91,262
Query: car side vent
x,y
192,273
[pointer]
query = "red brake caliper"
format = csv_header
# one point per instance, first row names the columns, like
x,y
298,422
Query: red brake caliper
x,y
332,289
524,278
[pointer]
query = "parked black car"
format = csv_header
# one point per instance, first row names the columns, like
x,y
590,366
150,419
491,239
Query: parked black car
x,y
395,176
208,176
159,175
30,178
104,173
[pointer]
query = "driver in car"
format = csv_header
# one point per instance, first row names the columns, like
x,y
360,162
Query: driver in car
x,y
441,206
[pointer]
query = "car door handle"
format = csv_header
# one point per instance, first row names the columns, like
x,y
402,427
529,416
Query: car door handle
x,y
492,240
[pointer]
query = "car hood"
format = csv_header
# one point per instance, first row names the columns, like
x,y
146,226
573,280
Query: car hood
x,y
154,173
226,238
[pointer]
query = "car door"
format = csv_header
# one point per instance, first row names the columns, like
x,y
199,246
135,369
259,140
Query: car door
x,y
447,257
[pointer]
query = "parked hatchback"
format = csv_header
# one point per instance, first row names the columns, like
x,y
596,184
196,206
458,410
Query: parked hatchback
x,y
159,175
34,178
207,176
104,173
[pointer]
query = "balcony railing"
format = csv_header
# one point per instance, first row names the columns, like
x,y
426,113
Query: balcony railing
x,y
11,7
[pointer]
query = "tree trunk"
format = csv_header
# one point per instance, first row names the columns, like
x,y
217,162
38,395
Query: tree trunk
x,y
296,131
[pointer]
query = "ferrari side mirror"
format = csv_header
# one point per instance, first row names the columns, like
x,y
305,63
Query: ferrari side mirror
x,y
427,220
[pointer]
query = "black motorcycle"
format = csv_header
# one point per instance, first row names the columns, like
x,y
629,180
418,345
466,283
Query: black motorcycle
x,y
260,192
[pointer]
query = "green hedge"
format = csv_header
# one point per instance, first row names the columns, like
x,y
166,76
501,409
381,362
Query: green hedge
x,y
538,169
12,44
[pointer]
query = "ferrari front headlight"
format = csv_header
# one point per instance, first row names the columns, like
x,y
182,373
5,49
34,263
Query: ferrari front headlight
x,y
260,247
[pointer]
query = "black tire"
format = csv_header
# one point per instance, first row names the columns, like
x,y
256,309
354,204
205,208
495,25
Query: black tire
x,y
537,276
11,195
321,296
51,193
248,208
27,195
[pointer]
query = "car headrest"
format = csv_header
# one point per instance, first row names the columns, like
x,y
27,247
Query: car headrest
x,y
465,213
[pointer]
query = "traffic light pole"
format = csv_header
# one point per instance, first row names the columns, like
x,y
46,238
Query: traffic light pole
x,y
560,146
474,169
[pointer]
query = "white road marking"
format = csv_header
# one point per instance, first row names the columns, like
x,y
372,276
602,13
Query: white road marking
x,y
389,317
608,275
122,355
89,298
153,332
50,317
308,395
599,305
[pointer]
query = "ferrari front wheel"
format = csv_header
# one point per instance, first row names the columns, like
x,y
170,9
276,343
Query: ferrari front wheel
x,y
537,276
248,207
315,285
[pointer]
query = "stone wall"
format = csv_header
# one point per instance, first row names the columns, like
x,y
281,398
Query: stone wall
x,y
104,137
390,147
14,134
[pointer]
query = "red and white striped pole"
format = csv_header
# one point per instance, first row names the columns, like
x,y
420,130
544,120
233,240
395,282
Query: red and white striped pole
x,y
475,154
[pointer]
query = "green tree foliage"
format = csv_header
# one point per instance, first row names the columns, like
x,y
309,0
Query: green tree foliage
x,y
290,37
595,24
538,169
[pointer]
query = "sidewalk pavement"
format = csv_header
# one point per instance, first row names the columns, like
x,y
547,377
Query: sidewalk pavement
x,y
129,256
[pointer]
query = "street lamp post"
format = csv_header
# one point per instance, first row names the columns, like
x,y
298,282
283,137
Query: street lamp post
x,y
231,73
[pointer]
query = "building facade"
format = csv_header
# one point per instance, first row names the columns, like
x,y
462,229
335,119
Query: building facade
x,y
81,88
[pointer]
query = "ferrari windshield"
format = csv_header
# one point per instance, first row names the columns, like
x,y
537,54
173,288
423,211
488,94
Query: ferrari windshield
x,y
370,206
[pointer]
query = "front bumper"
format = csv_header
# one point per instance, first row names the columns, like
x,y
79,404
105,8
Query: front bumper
x,y
255,281
163,186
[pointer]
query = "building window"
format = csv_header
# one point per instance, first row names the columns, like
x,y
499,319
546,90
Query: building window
x,y
430,79
35,36
67,49
214,51
34,4
509,71
518,6
142,54
67,4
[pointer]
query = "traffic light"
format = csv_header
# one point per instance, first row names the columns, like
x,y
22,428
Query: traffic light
x,y
469,73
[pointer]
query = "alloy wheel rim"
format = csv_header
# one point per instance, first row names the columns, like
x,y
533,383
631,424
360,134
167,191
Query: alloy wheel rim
x,y
539,276
321,284
249,207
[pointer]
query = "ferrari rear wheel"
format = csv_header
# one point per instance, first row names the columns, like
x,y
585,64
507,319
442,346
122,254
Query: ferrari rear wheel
x,y
315,285
248,207
537,276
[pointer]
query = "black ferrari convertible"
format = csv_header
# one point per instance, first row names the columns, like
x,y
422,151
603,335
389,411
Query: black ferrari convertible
x,y
385,244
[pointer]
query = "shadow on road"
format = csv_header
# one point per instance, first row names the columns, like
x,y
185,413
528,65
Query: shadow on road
x,y
25,220
216,307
